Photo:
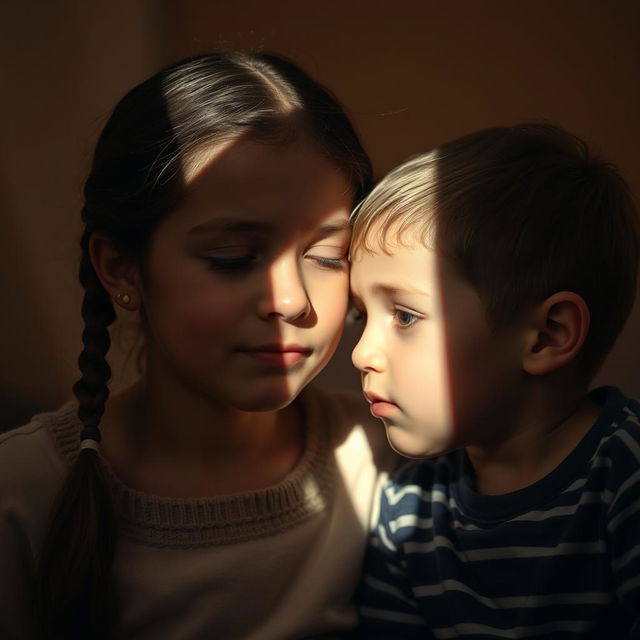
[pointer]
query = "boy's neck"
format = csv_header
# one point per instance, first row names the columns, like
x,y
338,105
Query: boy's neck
x,y
549,429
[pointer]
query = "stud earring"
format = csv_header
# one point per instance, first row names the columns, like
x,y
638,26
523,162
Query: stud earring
x,y
123,298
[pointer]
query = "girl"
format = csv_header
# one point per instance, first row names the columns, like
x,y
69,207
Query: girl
x,y
207,500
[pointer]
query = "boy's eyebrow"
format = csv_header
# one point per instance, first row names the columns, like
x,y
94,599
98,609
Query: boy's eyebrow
x,y
395,290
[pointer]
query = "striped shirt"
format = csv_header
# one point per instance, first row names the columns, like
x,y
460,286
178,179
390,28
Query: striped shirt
x,y
557,559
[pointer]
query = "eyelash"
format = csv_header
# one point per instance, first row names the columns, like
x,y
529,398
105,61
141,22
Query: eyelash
x,y
244,263
329,263
413,318
360,318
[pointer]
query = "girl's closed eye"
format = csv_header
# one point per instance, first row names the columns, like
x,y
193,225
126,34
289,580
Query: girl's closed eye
x,y
230,259
328,256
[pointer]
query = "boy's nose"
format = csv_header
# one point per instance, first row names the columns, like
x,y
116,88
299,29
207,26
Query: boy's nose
x,y
285,294
367,354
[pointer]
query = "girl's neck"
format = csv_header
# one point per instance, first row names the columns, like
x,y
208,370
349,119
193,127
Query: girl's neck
x,y
162,444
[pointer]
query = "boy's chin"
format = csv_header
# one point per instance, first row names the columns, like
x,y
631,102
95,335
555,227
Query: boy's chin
x,y
415,445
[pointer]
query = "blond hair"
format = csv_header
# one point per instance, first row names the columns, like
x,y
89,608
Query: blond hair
x,y
523,212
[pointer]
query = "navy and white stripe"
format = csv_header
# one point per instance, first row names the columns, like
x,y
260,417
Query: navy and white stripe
x,y
558,559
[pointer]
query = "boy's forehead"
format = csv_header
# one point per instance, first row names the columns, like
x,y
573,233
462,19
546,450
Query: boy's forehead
x,y
406,272
389,239
392,258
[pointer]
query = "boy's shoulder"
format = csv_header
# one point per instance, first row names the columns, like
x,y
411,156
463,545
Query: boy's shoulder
x,y
618,422
415,485
618,429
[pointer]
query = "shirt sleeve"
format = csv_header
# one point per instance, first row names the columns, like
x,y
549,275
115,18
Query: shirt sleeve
x,y
16,580
624,534
29,476
387,606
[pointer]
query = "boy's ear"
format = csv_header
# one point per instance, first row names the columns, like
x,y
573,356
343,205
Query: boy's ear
x,y
556,331
119,275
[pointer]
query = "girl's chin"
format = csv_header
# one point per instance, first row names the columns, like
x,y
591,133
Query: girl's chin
x,y
264,394
267,400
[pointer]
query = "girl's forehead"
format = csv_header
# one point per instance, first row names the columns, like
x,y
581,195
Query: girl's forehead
x,y
238,226
248,158
197,161
244,186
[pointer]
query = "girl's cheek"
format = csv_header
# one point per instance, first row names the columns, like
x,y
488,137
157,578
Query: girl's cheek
x,y
197,309
331,299
222,310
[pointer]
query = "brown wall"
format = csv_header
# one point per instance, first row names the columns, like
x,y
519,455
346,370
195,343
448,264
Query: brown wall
x,y
411,73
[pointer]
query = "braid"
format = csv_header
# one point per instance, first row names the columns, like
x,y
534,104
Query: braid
x,y
97,313
75,595
135,181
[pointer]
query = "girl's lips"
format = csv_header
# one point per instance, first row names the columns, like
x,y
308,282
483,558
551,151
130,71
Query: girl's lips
x,y
278,355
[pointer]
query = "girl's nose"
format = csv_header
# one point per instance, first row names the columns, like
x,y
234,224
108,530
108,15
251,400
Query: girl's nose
x,y
368,355
285,294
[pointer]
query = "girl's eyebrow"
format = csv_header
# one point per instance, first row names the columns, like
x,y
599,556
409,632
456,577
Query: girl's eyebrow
x,y
333,227
230,225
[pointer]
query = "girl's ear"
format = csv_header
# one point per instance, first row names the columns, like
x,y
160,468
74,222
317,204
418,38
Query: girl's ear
x,y
119,275
557,330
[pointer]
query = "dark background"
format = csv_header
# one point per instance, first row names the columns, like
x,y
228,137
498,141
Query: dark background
x,y
411,74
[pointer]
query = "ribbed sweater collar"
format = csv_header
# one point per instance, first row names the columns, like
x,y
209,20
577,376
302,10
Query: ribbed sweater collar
x,y
234,518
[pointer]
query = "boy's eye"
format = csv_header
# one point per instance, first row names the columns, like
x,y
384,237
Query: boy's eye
x,y
405,318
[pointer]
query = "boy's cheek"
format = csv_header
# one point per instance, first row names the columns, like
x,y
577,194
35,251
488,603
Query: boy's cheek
x,y
425,424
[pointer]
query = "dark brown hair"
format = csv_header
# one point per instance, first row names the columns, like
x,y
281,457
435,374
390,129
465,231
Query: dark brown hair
x,y
136,179
523,212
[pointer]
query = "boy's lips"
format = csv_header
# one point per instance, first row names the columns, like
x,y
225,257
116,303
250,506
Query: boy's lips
x,y
379,406
277,354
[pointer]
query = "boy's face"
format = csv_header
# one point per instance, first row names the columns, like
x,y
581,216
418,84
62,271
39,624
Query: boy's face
x,y
435,371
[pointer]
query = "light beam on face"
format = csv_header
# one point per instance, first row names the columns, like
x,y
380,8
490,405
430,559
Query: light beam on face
x,y
434,369
402,351
246,286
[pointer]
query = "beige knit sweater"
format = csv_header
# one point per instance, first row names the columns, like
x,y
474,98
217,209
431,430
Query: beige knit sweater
x,y
271,564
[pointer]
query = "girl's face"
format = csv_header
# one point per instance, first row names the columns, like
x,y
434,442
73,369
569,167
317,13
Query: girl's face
x,y
245,286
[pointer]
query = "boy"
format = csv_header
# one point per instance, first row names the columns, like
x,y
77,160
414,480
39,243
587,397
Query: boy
x,y
495,273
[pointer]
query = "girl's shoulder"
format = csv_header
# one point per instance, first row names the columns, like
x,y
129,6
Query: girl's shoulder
x,y
38,453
